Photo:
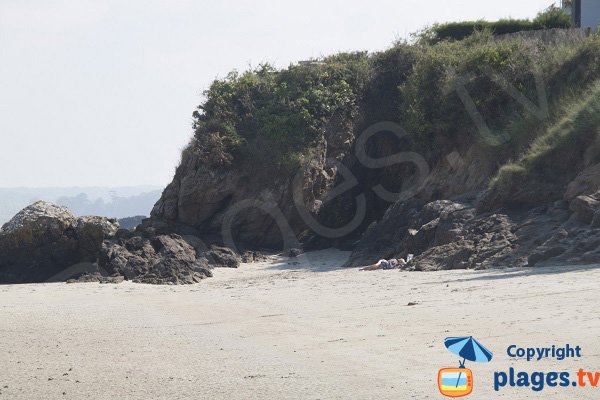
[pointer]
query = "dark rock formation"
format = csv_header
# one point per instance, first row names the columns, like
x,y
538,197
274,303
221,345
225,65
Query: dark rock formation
x,y
450,235
45,242
160,259
255,206
294,252
585,207
222,257
250,256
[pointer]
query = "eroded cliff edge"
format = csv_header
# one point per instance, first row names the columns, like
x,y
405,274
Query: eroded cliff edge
x,y
478,153
470,154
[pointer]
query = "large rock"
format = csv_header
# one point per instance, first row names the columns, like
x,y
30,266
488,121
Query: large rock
x,y
257,200
161,259
222,257
585,183
146,256
407,229
584,207
451,235
45,242
474,242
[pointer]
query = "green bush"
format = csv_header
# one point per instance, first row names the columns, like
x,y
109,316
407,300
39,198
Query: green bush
x,y
275,115
461,30
565,144
431,105
560,150
270,117
553,17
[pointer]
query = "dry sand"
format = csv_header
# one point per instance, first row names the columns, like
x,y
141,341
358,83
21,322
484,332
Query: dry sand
x,y
300,328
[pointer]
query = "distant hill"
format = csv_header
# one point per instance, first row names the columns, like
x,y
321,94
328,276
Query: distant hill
x,y
116,202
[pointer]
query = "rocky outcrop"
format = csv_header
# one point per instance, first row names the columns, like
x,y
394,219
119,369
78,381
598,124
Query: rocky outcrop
x,y
585,207
146,257
587,182
452,235
255,204
160,259
431,187
45,242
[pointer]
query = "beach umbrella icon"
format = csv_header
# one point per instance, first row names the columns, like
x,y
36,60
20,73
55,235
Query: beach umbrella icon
x,y
468,348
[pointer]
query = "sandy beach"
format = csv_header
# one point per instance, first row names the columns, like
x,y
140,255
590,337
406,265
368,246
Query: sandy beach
x,y
292,328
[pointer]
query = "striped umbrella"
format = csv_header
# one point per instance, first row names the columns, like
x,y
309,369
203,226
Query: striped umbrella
x,y
468,348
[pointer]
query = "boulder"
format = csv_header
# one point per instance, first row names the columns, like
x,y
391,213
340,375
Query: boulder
x,y
46,242
406,229
250,256
161,259
222,257
584,207
585,183
479,242
294,252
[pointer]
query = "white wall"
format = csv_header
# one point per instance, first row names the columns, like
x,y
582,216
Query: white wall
x,y
590,13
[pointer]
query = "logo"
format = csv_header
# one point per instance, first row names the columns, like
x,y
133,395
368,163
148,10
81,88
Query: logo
x,y
458,382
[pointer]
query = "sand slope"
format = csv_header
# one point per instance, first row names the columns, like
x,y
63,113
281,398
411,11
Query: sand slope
x,y
299,328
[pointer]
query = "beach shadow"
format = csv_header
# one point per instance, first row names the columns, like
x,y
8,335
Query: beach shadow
x,y
512,273
315,261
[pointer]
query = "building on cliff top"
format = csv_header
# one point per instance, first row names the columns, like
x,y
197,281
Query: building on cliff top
x,y
584,13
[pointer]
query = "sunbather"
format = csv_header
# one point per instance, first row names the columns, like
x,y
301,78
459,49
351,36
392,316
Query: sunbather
x,y
386,264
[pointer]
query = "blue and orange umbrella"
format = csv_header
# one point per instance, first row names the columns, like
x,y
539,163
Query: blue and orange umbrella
x,y
468,348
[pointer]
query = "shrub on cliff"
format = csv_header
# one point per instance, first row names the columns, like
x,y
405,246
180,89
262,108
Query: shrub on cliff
x,y
274,115
478,69
564,148
553,17
269,118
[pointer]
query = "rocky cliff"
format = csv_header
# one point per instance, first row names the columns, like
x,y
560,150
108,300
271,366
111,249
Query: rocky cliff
x,y
463,153
478,153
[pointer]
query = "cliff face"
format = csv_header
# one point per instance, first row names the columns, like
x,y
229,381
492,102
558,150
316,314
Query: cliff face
x,y
358,151
474,154
249,205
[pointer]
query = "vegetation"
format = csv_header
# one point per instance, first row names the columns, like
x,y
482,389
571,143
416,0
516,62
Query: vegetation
x,y
567,144
553,17
276,117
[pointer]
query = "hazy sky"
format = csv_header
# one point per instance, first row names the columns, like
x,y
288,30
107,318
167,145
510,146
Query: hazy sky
x,y
101,92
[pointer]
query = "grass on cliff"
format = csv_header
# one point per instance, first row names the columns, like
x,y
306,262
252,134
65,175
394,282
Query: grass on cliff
x,y
482,67
271,117
573,141
553,17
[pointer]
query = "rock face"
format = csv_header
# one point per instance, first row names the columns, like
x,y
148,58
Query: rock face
x,y
43,242
255,204
473,230
161,259
452,235
399,168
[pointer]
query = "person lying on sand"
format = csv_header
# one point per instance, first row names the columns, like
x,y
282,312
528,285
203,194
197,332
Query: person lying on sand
x,y
385,264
